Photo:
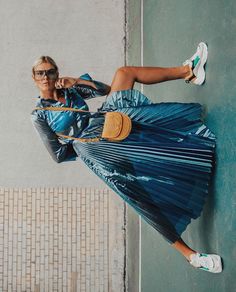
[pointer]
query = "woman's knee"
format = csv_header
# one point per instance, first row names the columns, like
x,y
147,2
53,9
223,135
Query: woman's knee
x,y
123,79
125,74
125,71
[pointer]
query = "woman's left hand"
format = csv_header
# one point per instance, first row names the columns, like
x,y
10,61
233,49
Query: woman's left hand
x,y
65,82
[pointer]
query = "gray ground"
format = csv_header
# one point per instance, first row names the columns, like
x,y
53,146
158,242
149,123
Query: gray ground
x,y
172,30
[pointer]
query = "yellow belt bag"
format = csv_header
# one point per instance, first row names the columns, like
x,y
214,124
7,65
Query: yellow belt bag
x,y
117,126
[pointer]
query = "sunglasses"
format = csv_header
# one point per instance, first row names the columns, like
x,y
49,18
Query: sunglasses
x,y
51,74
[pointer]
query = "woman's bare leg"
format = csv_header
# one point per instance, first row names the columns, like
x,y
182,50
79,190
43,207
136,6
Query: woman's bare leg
x,y
125,77
182,247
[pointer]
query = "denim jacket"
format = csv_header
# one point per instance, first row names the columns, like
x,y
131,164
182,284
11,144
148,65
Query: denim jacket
x,y
48,123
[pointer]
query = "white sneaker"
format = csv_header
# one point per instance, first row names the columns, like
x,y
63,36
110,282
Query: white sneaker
x,y
197,63
207,262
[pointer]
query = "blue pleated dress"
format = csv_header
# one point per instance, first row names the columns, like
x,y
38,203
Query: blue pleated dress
x,y
163,168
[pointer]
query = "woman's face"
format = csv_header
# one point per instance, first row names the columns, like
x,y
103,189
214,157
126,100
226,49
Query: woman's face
x,y
45,76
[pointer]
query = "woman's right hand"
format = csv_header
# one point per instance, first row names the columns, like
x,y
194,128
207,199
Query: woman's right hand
x,y
65,82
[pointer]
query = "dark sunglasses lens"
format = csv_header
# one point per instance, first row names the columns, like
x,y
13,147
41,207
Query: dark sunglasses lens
x,y
39,75
52,74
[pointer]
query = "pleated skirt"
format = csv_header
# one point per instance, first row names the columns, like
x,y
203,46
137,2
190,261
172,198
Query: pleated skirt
x,y
163,168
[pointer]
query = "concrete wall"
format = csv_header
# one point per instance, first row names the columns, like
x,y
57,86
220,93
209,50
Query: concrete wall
x,y
82,36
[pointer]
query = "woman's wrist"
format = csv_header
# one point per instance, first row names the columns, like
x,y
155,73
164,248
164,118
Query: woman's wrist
x,y
77,81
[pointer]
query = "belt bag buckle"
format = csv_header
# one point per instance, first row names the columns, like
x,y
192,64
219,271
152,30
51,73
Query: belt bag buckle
x,y
117,126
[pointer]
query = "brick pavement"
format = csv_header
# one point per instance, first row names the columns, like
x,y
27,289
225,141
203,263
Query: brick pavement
x,y
55,239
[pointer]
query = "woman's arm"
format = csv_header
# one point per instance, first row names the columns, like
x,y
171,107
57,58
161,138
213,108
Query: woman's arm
x,y
67,82
85,85
101,87
58,151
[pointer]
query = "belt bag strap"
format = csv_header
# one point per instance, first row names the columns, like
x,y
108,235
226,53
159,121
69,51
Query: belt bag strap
x,y
117,125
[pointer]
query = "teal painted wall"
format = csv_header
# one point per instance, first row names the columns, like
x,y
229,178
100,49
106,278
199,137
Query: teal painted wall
x,y
172,30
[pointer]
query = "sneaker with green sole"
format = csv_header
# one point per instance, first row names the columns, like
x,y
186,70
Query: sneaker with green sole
x,y
208,262
197,65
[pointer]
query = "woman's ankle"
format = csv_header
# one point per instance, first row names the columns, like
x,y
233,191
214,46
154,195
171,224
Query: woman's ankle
x,y
186,71
187,255
183,248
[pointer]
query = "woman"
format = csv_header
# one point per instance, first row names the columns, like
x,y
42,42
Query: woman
x,y
162,169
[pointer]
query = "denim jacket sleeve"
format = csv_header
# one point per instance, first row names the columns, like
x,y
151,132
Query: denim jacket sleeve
x,y
87,91
59,152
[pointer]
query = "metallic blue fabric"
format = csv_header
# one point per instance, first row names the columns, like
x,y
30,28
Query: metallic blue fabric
x,y
48,123
162,169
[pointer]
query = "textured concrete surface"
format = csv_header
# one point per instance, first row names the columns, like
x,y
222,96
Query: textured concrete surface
x,y
171,32
82,36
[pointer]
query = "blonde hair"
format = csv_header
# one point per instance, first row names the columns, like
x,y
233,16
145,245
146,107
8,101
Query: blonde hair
x,y
44,59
